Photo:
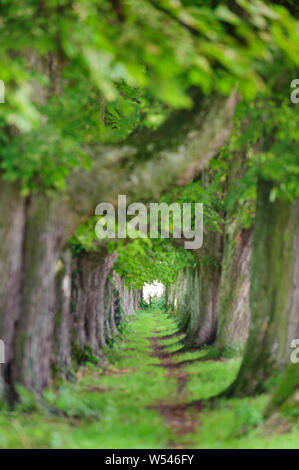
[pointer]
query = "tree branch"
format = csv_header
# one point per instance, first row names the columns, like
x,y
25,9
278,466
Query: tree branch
x,y
149,164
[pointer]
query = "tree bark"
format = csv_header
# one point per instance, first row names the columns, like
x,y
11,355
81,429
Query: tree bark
x,y
285,397
234,310
89,281
46,228
274,295
184,296
108,301
120,314
203,322
106,267
12,228
62,330
112,300
126,306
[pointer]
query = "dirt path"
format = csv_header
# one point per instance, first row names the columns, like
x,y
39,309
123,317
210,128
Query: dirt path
x,y
182,417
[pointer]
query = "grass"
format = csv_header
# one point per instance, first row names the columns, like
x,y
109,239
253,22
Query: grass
x,y
109,407
104,408
238,424
208,379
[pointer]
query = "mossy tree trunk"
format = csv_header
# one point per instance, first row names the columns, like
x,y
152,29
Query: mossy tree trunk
x,y
285,397
112,300
274,295
126,300
120,314
45,236
12,229
106,267
205,292
88,297
234,310
62,326
180,297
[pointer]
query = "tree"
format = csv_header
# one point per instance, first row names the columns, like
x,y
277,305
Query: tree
x,y
274,296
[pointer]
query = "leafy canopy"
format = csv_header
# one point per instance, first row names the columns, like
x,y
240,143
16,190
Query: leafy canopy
x,y
78,73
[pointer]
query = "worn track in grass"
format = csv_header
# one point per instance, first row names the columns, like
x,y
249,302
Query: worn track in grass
x,y
180,415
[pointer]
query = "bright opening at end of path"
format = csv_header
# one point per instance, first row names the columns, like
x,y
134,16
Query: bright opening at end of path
x,y
150,290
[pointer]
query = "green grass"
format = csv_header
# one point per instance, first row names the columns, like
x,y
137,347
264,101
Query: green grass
x,y
208,379
104,409
110,407
238,424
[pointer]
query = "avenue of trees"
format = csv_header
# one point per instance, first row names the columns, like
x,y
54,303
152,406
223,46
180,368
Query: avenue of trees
x,y
162,101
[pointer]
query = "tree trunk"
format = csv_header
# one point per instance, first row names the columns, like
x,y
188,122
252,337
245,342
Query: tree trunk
x,y
79,302
89,281
120,315
113,300
106,267
274,295
62,346
127,303
46,228
285,397
12,228
203,323
209,278
108,301
234,310
184,296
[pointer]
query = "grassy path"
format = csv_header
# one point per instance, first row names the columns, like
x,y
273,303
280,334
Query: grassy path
x,y
145,396
180,416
